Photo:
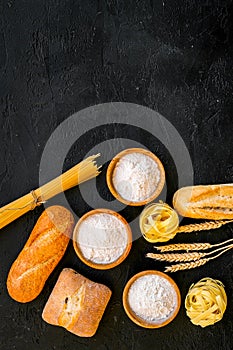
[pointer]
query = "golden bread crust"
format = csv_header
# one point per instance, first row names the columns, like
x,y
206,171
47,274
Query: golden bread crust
x,y
76,303
43,250
214,202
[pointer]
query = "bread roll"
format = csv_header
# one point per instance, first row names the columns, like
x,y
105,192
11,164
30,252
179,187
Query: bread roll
x,y
42,252
76,303
213,202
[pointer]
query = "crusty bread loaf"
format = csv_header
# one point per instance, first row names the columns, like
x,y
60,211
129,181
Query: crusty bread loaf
x,y
42,252
76,303
214,202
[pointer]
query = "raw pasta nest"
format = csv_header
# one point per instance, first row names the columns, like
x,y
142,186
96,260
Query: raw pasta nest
x,y
206,302
158,222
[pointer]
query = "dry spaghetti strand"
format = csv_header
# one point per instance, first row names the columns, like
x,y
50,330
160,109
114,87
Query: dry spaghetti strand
x,y
85,170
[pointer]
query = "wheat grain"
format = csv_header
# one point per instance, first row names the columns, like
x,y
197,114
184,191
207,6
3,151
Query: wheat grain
x,y
200,262
208,225
179,257
190,246
186,266
184,246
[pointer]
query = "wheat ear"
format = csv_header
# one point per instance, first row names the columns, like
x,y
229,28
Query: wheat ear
x,y
208,225
190,246
193,264
183,246
186,266
180,257
172,257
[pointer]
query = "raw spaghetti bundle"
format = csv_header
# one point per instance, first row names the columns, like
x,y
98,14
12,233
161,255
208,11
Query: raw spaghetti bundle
x,y
206,302
85,170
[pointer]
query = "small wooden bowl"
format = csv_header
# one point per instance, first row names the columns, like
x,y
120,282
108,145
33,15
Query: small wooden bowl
x,y
91,263
138,320
111,168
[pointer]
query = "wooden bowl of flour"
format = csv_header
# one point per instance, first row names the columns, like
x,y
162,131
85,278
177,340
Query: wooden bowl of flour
x,y
151,299
102,239
135,176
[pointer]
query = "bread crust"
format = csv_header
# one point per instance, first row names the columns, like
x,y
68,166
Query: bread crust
x,y
214,202
43,250
76,303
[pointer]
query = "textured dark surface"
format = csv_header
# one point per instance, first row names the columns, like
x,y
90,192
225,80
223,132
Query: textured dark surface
x,y
58,57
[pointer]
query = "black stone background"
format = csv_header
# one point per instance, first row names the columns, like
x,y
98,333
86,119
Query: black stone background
x,y
58,57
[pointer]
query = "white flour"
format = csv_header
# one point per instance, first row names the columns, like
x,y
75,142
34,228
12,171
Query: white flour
x,y
136,177
152,298
102,238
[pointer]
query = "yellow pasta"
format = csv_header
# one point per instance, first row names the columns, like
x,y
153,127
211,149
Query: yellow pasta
x,y
206,302
83,171
158,222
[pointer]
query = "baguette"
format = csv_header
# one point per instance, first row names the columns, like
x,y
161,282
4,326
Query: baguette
x,y
76,303
42,252
214,202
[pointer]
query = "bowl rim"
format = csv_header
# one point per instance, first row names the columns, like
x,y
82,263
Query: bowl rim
x,y
113,164
138,320
91,263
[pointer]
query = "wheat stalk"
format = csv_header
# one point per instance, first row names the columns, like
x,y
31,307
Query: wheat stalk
x,y
190,246
184,246
208,225
180,257
186,266
176,257
193,264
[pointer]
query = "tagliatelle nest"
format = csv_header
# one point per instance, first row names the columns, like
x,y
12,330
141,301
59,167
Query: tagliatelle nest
x,y
158,222
206,302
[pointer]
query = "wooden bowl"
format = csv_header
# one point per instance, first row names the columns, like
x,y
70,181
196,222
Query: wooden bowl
x,y
138,320
111,168
90,262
